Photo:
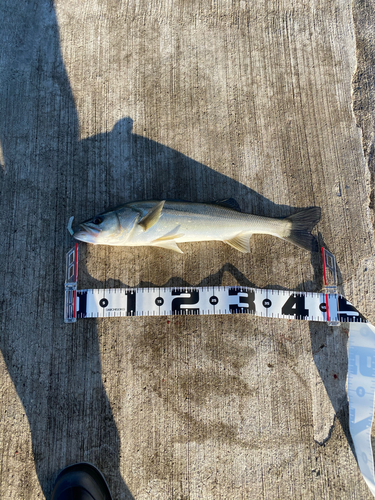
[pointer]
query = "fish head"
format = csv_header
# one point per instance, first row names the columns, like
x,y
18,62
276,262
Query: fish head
x,y
109,228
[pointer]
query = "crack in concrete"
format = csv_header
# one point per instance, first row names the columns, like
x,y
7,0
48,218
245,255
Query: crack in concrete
x,y
363,88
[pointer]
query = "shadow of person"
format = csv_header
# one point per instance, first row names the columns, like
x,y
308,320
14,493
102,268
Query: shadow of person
x,y
133,167
48,174
55,368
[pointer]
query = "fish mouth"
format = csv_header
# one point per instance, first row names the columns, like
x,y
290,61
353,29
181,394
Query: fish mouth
x,y
90,229
87,233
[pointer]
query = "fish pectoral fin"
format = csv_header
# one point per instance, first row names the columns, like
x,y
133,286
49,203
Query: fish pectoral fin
x,y
240,242
168,245
168,237
152,216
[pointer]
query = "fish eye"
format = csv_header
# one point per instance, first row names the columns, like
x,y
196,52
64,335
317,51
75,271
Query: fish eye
x,y
97,220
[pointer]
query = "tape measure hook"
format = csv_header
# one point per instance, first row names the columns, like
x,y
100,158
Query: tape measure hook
x,y
330,287
71,278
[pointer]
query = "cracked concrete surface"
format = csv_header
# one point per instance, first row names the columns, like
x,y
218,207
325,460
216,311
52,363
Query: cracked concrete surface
x,y
107,102
364,84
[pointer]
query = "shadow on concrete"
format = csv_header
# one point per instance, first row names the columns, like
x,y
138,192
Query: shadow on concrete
x,y
329,349
49,174
55,368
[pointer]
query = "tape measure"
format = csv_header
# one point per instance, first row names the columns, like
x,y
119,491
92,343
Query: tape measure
x,y
113,302
361,392
327,306
160,301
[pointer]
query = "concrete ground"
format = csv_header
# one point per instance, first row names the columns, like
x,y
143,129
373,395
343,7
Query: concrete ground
x,y
104,102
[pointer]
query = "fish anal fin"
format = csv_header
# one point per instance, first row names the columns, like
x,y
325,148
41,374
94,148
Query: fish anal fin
x,y
152,216
240,242
168,245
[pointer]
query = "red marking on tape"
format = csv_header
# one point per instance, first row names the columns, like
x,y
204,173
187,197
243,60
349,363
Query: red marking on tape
x,y
75,279
325,280
76,263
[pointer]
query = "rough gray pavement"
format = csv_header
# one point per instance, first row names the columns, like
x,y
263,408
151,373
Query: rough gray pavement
x,y
271,103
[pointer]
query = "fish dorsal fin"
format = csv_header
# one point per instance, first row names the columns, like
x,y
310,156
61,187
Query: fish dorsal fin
x,y
168,245
240,242
152,216
229,203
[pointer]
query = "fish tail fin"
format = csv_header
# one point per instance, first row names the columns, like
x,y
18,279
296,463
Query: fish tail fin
x,y
302,224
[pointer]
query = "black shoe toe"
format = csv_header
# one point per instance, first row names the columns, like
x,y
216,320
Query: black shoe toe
x,y
81,481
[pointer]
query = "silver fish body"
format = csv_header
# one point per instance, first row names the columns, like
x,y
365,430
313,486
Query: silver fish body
x,y
167,223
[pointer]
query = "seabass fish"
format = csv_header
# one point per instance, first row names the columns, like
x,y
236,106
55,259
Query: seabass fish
x,y
166,223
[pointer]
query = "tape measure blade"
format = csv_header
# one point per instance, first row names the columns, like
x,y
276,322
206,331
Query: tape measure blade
x,y
316,306
92,308
276,301
361,393
106,303
202,300
145,302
